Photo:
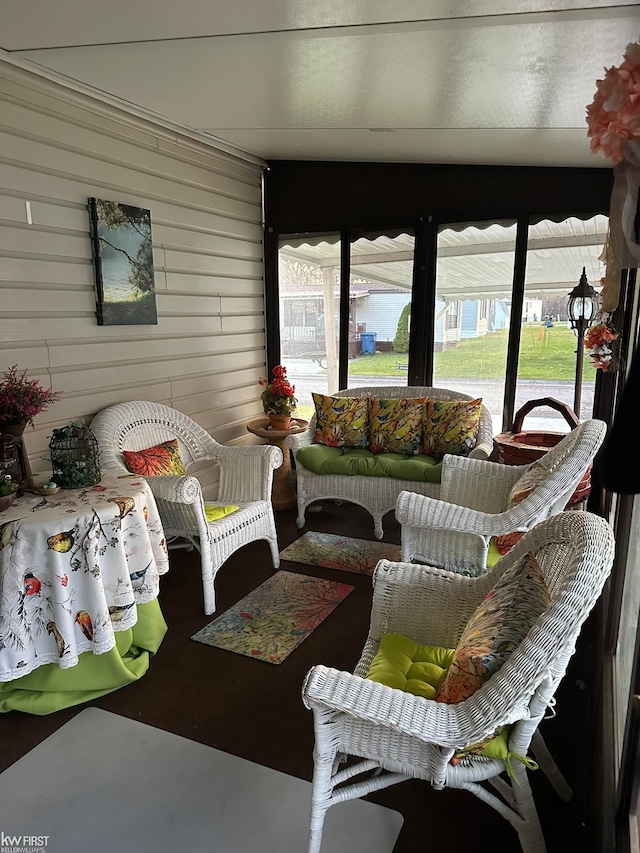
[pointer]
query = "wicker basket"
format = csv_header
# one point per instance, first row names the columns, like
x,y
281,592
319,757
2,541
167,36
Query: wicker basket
x,y
520,447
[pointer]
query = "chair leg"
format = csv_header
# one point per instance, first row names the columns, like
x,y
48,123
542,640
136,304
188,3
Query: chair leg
x,y
550,769
377,527
515,804
529,831
321,793
207,584
275,553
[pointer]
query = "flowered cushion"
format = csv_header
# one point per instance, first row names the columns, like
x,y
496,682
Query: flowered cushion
x,y
395,425
451,426
341,421
497,627
523,487
155,461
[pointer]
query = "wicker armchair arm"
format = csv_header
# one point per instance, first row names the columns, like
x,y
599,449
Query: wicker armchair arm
x,y
448,726
419,511
181,489
302,439
246,472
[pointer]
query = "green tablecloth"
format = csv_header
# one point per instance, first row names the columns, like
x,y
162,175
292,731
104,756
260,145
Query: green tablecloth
x,y
49,688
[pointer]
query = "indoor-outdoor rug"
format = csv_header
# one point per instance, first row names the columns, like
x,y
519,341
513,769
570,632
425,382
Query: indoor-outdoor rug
x,y
275,618
103,783
339,552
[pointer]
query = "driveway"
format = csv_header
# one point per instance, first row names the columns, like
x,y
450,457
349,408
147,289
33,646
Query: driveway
x,y
308,376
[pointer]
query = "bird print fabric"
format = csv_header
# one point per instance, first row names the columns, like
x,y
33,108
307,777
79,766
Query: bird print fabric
x,y
72,572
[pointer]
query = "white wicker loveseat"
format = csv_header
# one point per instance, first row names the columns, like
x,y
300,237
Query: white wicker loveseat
x,y
378,495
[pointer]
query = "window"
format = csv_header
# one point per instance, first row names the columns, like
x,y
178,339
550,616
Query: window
x,y
474,279
556,254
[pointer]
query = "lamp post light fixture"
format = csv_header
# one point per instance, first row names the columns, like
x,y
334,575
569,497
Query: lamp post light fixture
x,y
582,307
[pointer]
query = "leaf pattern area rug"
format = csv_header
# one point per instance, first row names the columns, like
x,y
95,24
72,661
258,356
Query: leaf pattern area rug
x,y
339,552
270,622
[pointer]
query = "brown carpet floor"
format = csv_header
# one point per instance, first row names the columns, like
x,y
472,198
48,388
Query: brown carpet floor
x,y
253,710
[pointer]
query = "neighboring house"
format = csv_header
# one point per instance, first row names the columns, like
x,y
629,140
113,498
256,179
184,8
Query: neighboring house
x,y
532,311
377,311
475,320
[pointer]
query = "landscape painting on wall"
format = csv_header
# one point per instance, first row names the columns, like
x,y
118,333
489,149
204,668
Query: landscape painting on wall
x,y
123,263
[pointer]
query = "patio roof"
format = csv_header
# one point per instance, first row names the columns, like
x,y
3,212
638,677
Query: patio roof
x,y
473,261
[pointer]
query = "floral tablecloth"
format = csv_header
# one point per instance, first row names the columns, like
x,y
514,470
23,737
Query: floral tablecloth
x,y
73,568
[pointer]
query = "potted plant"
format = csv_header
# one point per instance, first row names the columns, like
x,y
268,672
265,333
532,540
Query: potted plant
x,y
8,489
278,398
21,399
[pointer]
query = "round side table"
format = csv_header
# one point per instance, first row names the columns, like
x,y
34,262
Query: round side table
x,y
283,495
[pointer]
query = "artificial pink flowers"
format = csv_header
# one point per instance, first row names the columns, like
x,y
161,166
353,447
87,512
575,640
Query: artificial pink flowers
x,y
614,115
21,399
598,343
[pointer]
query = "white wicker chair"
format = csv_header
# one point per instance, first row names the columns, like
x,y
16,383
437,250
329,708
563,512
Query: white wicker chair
x,y
246,475
378,495
399,736
454,531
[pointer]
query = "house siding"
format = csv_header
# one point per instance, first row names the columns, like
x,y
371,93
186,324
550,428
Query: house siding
x,y
207,351
381,312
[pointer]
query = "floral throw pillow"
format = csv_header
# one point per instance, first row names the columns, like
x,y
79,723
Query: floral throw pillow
x,y
451,426
162,459
523,487
497,627
341,421
395,425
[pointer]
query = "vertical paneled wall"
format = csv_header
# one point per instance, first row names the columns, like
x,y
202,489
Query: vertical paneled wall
x,y
205,355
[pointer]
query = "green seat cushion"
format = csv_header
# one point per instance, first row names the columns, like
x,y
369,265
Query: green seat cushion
x,y
410,666
493,555
338,460
215,513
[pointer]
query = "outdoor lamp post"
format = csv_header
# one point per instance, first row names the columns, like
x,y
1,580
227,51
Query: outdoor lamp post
x,y
581,309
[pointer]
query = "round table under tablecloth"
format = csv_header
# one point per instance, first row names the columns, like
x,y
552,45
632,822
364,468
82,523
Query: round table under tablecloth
x,y
49,688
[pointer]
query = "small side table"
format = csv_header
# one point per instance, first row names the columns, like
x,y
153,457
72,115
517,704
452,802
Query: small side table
x,y
283,495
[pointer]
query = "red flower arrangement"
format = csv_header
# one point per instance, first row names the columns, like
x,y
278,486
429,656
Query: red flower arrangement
x,y
278,395
598,343
614,115
21,399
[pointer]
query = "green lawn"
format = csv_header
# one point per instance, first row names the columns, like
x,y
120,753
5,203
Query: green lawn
x,y
544,354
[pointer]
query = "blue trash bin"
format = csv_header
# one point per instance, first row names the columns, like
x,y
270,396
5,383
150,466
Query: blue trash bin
x,y
368,342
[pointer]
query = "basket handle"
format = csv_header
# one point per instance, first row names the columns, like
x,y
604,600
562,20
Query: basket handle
x,y
568,414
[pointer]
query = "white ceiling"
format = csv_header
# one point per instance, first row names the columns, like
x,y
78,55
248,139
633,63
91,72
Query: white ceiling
x,y
429,81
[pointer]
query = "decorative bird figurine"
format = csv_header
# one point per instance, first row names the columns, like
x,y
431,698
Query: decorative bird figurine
x,y
117,611
61,542
125,505
86,625
60,643
31,584
137,578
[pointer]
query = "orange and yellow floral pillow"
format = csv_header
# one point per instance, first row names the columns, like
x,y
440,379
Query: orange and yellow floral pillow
x,y
395,425
451,426
162,459
341,421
